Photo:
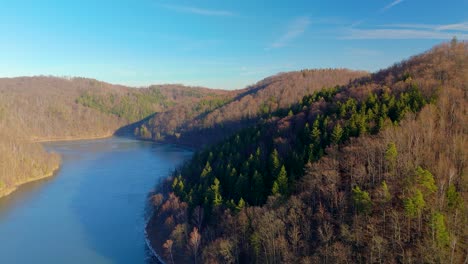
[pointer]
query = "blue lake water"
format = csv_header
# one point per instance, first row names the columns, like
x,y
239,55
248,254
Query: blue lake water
x,y
93,210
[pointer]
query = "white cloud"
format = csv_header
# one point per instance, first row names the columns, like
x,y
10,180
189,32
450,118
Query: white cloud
x,y
199,11
295,29
460,26
392,4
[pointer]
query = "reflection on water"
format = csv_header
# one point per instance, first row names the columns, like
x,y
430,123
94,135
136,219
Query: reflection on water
x,y
93,210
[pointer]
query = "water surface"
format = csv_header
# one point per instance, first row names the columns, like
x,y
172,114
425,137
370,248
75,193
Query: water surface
x,y
92,210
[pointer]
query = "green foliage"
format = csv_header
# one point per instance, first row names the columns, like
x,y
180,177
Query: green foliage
x,y
240,205
440,229
426,180
132,106
280,185
275,162
250,165
386,195
414,205
391,154
206,171
454,199
215,188
362,200
337,134
207,105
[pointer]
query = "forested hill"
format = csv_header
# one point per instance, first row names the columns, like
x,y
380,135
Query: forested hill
x,y
50,108
374,171
212,120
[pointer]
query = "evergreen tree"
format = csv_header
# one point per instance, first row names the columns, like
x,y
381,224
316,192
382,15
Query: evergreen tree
x,y
337,134
280,186
207,170
215,188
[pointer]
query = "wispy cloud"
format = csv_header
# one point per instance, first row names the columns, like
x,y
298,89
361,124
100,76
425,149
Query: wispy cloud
x,y
463,26
296,28
198,10
383,9
401,34
459,26
392,4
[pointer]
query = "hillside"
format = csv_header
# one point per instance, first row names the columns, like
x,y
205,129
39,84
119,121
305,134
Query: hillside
x,y
21,161
213,120
34,109
369,172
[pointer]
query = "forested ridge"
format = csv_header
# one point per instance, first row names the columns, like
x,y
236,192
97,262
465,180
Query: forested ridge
x,y
214,119
373,171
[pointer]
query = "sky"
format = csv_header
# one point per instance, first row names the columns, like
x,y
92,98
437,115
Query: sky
x,y
213,43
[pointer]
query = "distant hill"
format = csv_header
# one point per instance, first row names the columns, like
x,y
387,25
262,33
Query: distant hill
x,y
213,120
374,171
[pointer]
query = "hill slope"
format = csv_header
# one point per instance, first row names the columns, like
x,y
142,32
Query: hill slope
x,y
213,120
374,171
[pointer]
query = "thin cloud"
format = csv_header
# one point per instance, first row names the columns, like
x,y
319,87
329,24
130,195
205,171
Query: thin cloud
x,y
412,26
410,31
385,8
460,26
198,11
392,4
296,29
398,33
463,26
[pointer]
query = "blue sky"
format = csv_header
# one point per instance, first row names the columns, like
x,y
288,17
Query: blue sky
x,y
218,44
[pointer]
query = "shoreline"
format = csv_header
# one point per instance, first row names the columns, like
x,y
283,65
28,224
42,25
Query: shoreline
x,y
70,138
148,242
17,185
9,190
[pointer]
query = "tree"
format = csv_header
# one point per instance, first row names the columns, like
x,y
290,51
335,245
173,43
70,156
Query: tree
x,y
207,170
258,187
391,154
215,188
240,205
280,186
168,248
426,180
194,243
362,200
454,199
439,230
415,204
275,162
337,134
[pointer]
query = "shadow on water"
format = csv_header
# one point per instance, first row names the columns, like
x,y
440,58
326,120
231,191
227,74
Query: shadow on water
x,y
111,201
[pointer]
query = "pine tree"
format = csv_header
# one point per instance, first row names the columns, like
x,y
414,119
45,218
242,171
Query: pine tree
x,y
280,186
215,188
275,162
207,170
337,134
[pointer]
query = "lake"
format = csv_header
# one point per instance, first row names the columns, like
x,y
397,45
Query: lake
x,y
93,210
